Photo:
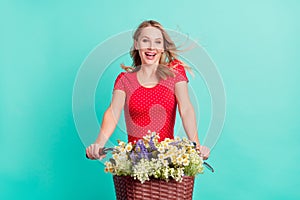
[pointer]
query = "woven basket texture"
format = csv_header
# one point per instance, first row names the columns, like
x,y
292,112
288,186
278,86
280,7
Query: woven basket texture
x,y
129,189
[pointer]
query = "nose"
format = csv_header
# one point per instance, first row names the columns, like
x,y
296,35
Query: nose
x,y
151,45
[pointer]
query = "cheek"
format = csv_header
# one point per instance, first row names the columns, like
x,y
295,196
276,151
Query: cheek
x,y
159,47
141,53
142,45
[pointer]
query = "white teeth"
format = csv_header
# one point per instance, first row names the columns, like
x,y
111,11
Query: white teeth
x,y
150,54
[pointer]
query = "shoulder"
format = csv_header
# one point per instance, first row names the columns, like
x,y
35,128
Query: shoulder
x,y
175,62
122,75
125,77
176,65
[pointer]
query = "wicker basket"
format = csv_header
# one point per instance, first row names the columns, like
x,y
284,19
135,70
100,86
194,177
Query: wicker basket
x,y
129,189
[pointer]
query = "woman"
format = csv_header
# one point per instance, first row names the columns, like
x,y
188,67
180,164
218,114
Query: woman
x,y
149,92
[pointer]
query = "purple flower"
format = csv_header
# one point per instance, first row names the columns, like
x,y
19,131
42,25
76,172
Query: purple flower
x,y
151,144
143,153
133,157
175,143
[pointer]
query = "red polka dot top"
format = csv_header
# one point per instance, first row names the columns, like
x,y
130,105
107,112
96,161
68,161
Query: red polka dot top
x,y
152,108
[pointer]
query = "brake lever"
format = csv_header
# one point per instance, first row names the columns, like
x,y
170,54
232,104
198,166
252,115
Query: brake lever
x,y
102,151
205,163
208,166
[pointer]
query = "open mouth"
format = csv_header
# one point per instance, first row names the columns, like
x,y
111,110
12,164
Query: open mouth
x,y
150,55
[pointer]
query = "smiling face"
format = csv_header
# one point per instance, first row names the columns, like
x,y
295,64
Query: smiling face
x,y
150,45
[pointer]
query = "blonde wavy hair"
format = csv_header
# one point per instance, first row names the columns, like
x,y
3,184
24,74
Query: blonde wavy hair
x,y
169,54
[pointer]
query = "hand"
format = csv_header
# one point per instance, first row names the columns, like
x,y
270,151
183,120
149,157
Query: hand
x,y
93,152
203,152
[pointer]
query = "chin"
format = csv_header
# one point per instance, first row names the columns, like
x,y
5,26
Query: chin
x,y
150,62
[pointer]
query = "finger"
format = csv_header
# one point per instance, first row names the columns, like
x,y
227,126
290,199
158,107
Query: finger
x,y
89,153
204,155
102,156
96,151
92,151
92,147
205,150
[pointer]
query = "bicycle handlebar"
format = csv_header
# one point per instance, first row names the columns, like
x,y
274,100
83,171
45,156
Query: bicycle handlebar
x,y
105,150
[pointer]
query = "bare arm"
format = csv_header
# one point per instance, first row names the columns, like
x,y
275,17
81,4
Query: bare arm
x,y
111,117
109,123
188,117
186,111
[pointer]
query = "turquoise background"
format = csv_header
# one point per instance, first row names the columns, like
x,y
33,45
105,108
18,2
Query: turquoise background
x,y
255,45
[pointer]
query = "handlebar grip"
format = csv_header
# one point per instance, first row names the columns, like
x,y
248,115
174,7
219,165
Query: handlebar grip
x,y
102,151
91,158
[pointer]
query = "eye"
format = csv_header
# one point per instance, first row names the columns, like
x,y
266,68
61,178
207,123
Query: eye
x,y
144,40
158,42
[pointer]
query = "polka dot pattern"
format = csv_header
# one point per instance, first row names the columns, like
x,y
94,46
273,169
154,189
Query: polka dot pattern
x,y
153,108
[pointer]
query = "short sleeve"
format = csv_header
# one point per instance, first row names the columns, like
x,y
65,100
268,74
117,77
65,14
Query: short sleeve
x,y
179,70
119,82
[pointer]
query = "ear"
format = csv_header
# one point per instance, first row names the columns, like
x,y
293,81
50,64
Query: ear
x,y
136,46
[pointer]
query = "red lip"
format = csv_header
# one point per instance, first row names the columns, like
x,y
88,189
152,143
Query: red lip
x,y
150,53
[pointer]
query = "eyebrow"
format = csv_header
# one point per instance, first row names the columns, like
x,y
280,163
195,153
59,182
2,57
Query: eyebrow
x,y
155,38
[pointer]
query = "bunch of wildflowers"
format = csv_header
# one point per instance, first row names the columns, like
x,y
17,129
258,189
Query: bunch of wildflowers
x,y
148,158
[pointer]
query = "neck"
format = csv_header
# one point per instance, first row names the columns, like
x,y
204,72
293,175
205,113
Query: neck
x,y
149,70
